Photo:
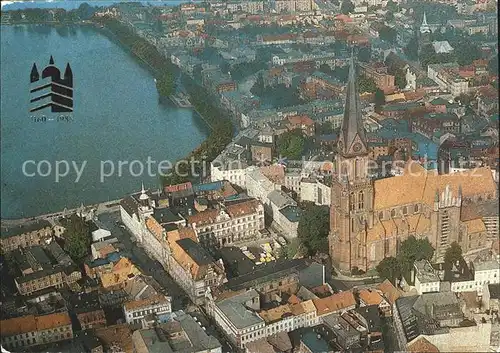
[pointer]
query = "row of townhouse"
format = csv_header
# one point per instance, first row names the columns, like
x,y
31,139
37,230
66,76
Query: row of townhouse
x,y
179,244
26,235
319,58
457,278
135,310
40,271
448,79
242,320
31,330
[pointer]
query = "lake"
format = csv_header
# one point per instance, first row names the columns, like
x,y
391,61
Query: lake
x,y
117,117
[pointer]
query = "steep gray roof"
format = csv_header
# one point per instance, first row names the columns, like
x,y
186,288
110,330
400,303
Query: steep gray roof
x,y
235,310
352,125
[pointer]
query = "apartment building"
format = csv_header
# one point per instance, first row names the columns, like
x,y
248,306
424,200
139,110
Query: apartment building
x,y
217,81
273,279
460,277
448,78
191,266
317,57
315,190
251,7
242,320
425,278
181,334
31,330
231,164
301,122
35,233
294,6
378,72
135,310
229,223
284,212
42,268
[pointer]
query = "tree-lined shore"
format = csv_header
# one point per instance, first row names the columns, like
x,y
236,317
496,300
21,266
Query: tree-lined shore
x,y
165,73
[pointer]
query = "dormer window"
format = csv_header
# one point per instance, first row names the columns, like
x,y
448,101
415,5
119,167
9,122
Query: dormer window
x,y
393,213
415,209
405,210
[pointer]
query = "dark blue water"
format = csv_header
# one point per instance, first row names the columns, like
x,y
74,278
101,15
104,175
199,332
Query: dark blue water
x,y
117,116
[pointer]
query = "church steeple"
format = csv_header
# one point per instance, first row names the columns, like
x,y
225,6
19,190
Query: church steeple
x,y
424,27
352,139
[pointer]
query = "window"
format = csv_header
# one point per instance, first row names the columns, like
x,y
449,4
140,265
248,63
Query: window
x,y
352,202
381,215
352,224
393,213
361,200
415,209
405,210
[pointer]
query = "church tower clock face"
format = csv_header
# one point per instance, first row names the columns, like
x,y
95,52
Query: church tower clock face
x,y
357,147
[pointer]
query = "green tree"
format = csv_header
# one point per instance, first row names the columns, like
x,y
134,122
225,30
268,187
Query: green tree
x,y
341,73
493,65
313,228
291,144
411,49
428,56
464,99
85,11
77,237
413,249
379,98
389,268
16,16
400,78
326,69
347,7
388,34
36,15
453,254
366,84
391,6
465,52
60,15
291,249
258,87
364,54
165,84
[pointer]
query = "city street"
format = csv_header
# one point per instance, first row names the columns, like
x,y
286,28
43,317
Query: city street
x,y
151,267
147,265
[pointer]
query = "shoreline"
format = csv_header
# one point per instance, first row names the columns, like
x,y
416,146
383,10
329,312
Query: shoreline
x,y
109,34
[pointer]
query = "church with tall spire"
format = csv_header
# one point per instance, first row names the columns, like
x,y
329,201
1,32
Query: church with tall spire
x,y
370,218
424,34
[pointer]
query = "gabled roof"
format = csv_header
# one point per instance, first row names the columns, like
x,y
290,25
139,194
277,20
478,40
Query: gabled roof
x,y
419,185
334,303
25,228
421,345
390,292
370,297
